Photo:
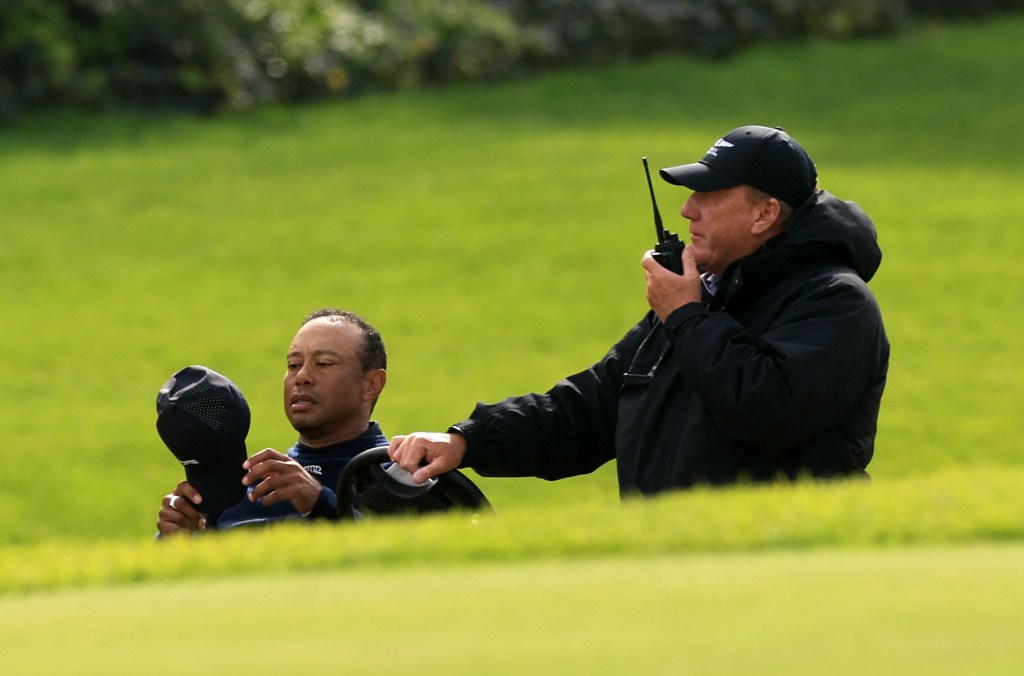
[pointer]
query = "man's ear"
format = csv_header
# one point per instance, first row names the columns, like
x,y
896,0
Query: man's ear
x,y
766,217
373,383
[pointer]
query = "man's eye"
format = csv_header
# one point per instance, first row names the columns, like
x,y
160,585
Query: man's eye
x,y
293,367
324,364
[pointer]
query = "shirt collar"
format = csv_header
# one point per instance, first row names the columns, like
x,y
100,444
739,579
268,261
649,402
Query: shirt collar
x,y
371,438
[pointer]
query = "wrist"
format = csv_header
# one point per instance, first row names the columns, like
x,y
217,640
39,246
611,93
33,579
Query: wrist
x,y
459,438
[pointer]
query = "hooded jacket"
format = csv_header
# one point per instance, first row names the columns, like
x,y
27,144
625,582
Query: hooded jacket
x,y
778,375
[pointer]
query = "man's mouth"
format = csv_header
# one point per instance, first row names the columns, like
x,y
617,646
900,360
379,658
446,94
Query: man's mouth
x,y
301,402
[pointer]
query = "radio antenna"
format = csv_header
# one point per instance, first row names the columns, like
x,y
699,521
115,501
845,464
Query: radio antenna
x,y
654,203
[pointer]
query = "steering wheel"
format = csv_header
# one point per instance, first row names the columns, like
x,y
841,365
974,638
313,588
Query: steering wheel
x,y
371,484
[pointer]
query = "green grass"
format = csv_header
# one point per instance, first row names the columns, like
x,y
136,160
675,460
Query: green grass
x,y
944,508
932,610
906,575
494,234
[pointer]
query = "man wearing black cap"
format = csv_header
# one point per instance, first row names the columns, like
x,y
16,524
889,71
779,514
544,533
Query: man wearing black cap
x,y
335,374
766,359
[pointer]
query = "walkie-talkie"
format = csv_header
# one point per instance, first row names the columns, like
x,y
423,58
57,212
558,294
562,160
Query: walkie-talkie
x,y
668,250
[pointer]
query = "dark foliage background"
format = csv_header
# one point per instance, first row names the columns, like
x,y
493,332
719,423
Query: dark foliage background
x,y
204,54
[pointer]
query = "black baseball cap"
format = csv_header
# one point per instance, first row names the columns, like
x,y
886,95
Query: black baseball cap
x,y
766,158
203,418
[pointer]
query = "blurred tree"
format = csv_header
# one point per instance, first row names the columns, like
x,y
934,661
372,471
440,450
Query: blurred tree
x,y
200,54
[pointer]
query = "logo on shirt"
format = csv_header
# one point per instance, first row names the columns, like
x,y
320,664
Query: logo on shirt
x,y
315,469
720,143
189,462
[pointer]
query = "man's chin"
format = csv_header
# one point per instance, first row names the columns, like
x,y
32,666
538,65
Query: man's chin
x,y
304,424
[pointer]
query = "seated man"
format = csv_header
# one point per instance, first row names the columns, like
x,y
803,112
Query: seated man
x,y
336,371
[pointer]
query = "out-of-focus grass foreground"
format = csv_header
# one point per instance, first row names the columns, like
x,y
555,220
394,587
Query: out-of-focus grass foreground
x,y
493,234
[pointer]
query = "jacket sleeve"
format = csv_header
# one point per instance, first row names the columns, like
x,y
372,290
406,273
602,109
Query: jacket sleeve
x,y
796,378
568,430
326,506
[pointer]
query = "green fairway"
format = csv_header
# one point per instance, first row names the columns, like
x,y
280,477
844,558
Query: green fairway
x,y
932,610
494,234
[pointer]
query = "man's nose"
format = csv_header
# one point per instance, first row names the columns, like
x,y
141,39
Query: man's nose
x,y
688,211
304,374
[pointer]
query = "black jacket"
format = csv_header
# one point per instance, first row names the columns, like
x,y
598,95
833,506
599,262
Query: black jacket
x,y
780,374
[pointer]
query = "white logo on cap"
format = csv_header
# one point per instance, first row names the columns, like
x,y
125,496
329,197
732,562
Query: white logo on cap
x,y
189,462
720,143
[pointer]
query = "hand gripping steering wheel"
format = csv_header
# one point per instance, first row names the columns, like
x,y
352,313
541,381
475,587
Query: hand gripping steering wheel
x,y
371,484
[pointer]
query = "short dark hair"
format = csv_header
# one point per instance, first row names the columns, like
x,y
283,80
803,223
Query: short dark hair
x,y
372,354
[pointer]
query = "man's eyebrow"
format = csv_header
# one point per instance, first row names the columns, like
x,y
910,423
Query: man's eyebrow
x,y
316,353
